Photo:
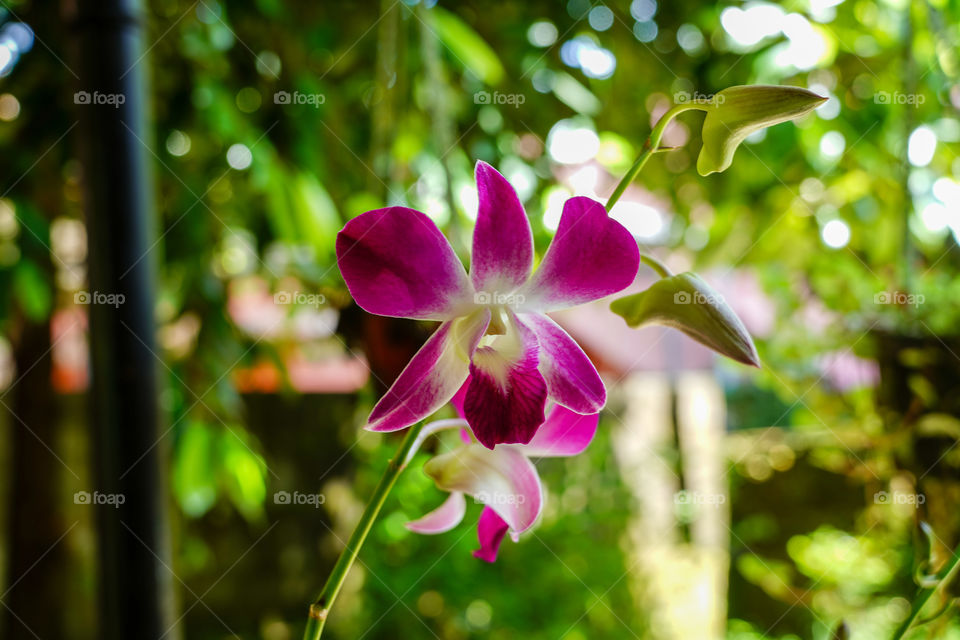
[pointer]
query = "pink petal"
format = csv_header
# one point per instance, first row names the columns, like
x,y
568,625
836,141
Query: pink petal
x,y
503,479
591,256
396,263
432,376
571,378
443,518
459,398
490,530
502,240
507,393
564,433
457,402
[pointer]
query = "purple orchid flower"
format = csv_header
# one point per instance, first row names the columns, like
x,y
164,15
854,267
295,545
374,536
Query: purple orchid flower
x,y
396,262
503,479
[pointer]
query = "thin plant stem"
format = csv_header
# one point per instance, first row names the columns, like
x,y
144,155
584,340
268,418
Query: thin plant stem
x,y
320,609
923,596
651,147
662,270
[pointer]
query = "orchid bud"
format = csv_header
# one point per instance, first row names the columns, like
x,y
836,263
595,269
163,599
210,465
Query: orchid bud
x,y
687,303
736,112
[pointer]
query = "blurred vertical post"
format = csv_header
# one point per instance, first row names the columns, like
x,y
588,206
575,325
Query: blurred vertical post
x,y
701,431
642,446
681,584
135,580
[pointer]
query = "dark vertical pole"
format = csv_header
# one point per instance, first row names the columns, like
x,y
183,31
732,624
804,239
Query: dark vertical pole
x,y
132,539
36,519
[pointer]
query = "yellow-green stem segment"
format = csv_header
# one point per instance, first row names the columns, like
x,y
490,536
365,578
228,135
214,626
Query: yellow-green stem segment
x,y
320,609
651,147
662,270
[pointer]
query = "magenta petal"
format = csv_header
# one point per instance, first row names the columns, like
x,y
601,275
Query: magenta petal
x,y
432,376
396,263
506,396
459,398
491,529
443,518
572,380
457,403
563,433
502,240
591,256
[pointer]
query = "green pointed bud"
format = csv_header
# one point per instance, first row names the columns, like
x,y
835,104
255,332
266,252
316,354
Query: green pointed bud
x,y
687,303
736,112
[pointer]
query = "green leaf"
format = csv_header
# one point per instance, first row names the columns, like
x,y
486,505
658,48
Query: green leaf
x,y
575,95
315,213
687,303
466,45
736,112
279,209
194,470
244,473
32,290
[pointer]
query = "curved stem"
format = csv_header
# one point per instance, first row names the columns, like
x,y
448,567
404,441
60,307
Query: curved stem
x,y
662,270
320,609
924,595
651,147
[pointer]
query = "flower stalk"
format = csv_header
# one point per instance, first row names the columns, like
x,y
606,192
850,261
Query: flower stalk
x,y
320,609
662,270
652,146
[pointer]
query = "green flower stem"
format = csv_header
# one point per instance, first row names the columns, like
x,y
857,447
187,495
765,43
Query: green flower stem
x,y
924,595
652,146
320,609
656,265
